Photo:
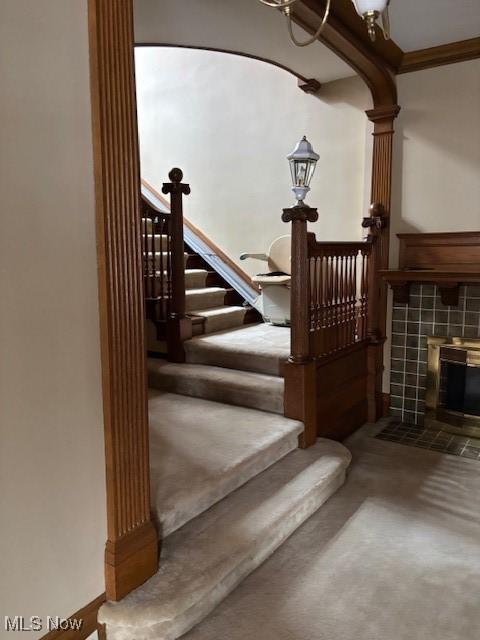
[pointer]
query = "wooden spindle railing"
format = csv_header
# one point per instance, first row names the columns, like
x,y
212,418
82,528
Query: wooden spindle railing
x,y
157,265
338,301
164,266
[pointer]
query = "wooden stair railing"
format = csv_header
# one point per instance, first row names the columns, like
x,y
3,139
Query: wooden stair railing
x,y
164,265
330,320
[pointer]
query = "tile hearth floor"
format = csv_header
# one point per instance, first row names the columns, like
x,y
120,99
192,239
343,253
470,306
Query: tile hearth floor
x,y
433,439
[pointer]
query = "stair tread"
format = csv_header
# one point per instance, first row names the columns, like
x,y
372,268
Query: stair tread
x,y
221,447
216,311
206,559
256,347
204,291
242,388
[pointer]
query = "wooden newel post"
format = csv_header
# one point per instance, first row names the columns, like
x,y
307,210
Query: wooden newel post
x,y
375,223
300,370
179,327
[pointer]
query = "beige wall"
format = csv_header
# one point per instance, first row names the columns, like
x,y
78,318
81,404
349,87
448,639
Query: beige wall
x,y
229,123
52,487
437,154
437,151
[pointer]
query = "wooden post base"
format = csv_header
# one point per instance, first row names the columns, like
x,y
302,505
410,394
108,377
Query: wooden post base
x,y
375,394
178,330
301,399
130,561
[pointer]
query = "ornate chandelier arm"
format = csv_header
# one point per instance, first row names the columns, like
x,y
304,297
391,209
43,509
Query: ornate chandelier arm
x,y
317,32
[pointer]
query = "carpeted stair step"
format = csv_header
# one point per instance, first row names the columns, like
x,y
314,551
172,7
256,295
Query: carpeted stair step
x,y
206,298
200,451
245,389
261,348
207,558
220,318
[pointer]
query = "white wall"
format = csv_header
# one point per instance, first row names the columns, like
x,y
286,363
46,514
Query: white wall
x,y
436,155
229,123
52,487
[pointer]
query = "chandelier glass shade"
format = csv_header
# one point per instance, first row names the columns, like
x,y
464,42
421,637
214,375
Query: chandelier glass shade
x,y
369,10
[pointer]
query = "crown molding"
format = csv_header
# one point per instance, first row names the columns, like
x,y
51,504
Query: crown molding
x,y
441,55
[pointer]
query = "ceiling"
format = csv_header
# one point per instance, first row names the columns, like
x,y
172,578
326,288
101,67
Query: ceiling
x,y
245,26
421,24
234,25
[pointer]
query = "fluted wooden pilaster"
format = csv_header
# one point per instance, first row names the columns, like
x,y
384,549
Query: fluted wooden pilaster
x,y
381,194
131,548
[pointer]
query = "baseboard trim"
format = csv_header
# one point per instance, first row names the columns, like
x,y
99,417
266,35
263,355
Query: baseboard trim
x,y
88,615
130,561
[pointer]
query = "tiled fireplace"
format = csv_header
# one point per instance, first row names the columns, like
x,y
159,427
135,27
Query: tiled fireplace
x,y
413,323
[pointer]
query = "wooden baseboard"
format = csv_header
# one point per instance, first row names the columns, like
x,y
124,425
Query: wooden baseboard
x,y
130,561
86,616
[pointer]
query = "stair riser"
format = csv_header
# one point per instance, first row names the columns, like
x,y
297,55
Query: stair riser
x,y
222,323
270,399
195,280
199,301
241,362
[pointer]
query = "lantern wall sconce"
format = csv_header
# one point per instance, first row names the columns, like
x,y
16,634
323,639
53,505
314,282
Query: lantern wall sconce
x,y
369,10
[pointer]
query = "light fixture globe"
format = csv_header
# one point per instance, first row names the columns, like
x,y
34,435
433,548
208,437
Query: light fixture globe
x,y
370,11
303,160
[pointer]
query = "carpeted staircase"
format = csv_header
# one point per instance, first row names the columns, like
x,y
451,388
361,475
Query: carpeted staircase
x,y
210,301
229,484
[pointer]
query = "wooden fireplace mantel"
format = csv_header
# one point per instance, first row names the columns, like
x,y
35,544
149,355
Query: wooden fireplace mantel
x,y
446,260
448,283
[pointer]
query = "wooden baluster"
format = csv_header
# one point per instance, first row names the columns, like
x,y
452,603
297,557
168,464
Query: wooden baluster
x,y
300,371
321,327
179,326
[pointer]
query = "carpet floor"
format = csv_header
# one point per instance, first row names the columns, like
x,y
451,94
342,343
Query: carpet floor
x,y
393,555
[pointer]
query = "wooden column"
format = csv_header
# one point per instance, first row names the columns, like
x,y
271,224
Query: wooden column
x,y
300,370
179,326
381,194
131,549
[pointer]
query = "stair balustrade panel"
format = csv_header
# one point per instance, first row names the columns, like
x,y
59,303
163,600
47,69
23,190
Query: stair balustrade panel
x,y
338,295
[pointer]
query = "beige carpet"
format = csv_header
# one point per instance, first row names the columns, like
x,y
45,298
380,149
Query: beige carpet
x,y
394,555
262,348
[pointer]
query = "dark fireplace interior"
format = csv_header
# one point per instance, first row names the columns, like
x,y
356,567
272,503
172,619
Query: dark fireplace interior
x,y
460,388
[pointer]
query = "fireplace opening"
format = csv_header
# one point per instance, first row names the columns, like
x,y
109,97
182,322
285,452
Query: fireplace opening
x,y
461,391
453,385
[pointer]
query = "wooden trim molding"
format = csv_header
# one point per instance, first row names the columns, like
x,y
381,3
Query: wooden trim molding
x,y
131,553
441,55
86,615
354,51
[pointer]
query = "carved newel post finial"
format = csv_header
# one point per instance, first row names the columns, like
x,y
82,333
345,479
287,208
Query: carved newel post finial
x,y
176,185
377,220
